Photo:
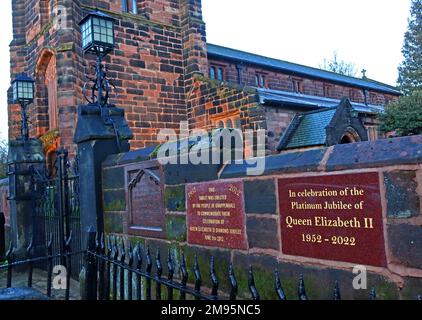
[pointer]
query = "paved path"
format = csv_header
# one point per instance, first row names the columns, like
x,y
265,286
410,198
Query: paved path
x,y
40,283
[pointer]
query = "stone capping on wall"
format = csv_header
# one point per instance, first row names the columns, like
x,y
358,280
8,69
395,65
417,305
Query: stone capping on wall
x,y
396,161
373,154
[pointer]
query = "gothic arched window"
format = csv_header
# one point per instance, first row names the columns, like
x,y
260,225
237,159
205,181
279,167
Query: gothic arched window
x,y
51,85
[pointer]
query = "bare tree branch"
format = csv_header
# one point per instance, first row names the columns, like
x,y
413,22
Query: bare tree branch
x,y
336,65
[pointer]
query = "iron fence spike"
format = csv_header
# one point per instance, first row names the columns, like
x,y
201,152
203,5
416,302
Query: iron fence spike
x,y
233,283
170,266
373,294
197,273
109,247
69,241
278,287
149,260
50,242
122,251
9,251
138,257
102,243
97,242
214,278
301,290
30,245
337,294
130,251
251,283
158,263
183,270
115,249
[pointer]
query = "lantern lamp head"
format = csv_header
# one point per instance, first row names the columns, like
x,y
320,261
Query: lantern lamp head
x,y
97,30
23,89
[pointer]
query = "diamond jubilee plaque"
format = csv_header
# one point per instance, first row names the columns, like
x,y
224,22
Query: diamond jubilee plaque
x,y
216,215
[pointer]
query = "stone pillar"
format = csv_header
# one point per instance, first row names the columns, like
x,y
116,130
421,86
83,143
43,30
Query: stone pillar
x,y
23,156
99,133
194,40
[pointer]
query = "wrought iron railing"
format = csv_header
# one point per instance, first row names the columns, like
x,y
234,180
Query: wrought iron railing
x,y
112,270
32,261
57,210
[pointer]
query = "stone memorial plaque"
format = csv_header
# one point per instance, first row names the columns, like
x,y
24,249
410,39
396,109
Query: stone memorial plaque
x,y
216,215
146,203
336,217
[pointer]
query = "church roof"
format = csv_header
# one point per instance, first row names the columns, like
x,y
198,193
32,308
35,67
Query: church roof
x,y
289,67
303,100
308,129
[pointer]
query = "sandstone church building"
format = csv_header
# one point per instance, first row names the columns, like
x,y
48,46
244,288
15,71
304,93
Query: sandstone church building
x,y
165,72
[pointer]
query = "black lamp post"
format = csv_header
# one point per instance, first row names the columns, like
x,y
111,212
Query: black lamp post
x,y
23,93
97,30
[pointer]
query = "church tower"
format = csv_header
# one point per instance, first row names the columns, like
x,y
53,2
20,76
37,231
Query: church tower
x,y
160,47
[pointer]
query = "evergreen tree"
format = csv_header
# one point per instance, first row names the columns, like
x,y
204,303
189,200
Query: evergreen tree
x,y
410,71
404,117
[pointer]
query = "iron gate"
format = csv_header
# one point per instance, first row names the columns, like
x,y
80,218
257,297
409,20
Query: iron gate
x,y
56,213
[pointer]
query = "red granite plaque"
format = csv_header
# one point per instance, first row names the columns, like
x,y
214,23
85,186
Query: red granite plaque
x,y
216,215
336,217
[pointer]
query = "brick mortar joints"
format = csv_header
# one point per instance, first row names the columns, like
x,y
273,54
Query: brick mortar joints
x,y
242,89
44,29
137,18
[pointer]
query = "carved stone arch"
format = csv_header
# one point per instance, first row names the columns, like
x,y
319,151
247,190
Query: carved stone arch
x,y
350,136
46,103
45,59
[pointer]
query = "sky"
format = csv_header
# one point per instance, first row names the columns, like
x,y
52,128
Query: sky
x,y
367,33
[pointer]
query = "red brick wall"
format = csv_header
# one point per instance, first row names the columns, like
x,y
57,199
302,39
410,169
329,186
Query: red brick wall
x,y
278,121
277,80
208,99
148,65
32,54
158,54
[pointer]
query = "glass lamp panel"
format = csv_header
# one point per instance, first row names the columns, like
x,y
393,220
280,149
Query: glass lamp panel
x,y
15,92
98,32
20,90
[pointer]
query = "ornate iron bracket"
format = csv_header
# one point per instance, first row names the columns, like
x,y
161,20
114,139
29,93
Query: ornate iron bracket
x,y
98,86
